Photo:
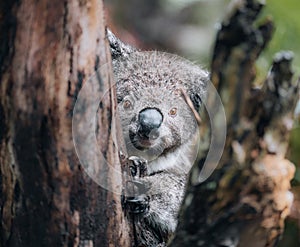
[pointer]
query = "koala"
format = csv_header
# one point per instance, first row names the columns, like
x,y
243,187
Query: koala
x,y
160,132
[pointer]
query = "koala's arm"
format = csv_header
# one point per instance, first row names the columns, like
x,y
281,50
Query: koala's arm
x,y
165,197
156,208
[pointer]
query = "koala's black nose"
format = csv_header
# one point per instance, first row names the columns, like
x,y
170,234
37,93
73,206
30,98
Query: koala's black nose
x,y
150,120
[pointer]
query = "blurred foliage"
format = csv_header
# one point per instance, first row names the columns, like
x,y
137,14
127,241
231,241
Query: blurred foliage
x,y
287,23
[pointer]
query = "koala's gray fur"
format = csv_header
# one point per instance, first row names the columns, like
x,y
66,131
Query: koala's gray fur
x,y
155,80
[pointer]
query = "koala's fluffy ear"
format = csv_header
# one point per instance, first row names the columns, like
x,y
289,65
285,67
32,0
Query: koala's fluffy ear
x,y
198,90
117,47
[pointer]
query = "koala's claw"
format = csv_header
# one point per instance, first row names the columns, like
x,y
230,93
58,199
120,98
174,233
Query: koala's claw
x,y
137,204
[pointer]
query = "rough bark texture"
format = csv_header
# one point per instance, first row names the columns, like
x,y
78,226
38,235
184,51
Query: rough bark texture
x,y
245,201
48,49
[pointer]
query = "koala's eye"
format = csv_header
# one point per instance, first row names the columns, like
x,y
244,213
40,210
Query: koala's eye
x,y
127,104
173,112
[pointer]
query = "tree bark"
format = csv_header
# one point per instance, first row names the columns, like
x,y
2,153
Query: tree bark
x,y
245,201
48,50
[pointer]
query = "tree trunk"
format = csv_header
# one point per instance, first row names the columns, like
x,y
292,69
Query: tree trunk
x,y
49,49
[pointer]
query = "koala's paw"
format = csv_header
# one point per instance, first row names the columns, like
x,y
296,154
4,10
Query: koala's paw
x,y
138,167
137,204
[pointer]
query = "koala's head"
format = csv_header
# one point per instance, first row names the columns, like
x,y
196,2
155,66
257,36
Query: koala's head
x,y
154,114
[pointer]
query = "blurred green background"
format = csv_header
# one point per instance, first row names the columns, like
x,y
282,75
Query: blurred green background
x,y
188,28
285,15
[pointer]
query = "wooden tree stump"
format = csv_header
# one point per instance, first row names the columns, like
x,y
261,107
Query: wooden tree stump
x,y
245,201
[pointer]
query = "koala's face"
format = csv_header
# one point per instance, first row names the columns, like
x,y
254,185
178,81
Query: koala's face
x,y
155,121
154,115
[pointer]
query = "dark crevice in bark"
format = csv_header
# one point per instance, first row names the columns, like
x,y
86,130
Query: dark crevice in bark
x,y
33,212
8,26
65,19
3,128
74,92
